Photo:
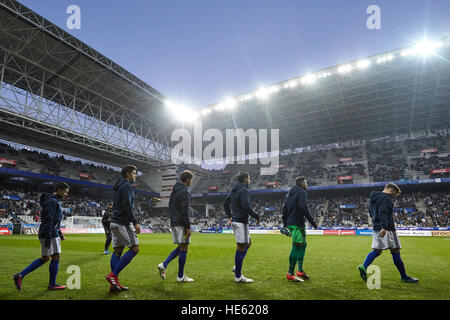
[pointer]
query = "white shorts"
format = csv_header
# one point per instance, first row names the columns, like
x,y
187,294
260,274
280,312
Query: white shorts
x,y
389,241
123,236
241,232
55,247
179,235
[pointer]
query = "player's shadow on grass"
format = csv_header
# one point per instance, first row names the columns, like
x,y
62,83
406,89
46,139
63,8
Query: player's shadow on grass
x,y
172,291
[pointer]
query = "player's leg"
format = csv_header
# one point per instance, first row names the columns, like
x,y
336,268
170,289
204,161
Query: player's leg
x,y
53,270
115,257
31,267
301,244
243,242
130,240
121,236
182,256
239,258
378,245
126,259
247,246
162,266
395,252
108,239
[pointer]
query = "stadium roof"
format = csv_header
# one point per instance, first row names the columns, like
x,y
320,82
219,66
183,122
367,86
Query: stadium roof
x,y
41,63
392,93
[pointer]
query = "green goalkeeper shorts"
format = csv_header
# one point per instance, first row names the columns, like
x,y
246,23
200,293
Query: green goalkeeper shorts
x,y
298,234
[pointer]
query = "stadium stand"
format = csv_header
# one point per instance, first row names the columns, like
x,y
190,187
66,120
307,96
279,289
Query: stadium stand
x,y
374,161
40,162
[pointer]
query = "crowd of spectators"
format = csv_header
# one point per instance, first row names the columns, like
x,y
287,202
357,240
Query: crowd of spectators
x,y
438,207
425,164
349,211
31,160
386,161
341,212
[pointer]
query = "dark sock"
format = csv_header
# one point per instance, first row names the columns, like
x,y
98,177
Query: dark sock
x,y
181,262
115,258
53,269
238,260
33,266
301,256
171,256
399,264
124,261
370,257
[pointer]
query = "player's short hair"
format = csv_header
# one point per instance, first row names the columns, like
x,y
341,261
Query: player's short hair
x,y
299,181
186,175
242,176
62,186
127,170
394,187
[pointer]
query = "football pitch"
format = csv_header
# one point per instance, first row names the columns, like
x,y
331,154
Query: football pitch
x,y
330,261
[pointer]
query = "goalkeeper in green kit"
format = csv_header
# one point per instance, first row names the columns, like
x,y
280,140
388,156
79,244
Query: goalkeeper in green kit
x,y
295,212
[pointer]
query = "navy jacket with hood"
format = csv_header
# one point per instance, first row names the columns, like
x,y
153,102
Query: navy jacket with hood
x,y
296,208
123,208
381,211
237,204
179,206
51,216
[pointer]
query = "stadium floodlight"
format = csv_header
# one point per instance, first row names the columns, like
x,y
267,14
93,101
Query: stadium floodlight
x,y
247,97
229,103
386,58
274,89
345,69
180,112
407,52
263,93
219,106
309,79
205,112
292,83
363,64
324,75
427,47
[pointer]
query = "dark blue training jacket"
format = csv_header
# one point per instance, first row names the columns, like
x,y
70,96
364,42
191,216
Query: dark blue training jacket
x,y
237,204
51,216
381,211
179,206
123,208
297,211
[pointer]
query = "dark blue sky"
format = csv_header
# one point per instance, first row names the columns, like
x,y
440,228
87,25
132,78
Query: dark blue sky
x,y
199,51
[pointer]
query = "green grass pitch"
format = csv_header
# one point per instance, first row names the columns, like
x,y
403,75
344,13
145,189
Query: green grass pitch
x,y
330,261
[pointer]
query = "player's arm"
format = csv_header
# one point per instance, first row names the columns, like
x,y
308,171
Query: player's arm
x,y
227,206
127,196
245,204
51,209
303,203
285,210
184,209
383,212
61,235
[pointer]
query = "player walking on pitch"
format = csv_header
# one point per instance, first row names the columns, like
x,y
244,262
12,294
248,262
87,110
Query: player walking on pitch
x,y
237,207
295,212
124,226
180,225
384,233
50,236
106,221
